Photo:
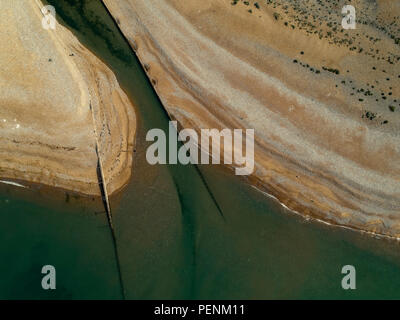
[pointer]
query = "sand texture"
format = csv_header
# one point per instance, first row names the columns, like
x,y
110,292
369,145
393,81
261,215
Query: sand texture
x,y
56,100
324,101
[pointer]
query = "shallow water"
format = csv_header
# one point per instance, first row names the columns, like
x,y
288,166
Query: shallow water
x,y
173,241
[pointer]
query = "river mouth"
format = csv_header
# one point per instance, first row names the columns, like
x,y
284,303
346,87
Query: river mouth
x,y
172,240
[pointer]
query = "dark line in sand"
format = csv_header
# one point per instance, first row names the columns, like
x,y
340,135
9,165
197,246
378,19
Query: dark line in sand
x,y
209,191
163,108
104,197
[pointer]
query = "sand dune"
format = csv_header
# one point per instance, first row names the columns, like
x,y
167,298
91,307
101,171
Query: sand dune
x,y
56,100
324,101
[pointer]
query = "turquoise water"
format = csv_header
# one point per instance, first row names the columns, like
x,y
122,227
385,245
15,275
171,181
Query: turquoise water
x,y
174,239
78,244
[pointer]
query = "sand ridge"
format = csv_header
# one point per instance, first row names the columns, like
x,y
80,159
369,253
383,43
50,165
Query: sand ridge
x,y
324,102
50,87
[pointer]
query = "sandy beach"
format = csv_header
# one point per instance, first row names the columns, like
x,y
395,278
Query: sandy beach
x,y
323,100
57,100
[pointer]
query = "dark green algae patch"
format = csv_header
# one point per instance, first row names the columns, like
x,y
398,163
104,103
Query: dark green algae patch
x,y
172,240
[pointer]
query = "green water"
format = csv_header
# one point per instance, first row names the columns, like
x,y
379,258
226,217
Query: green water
x,y
173,240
